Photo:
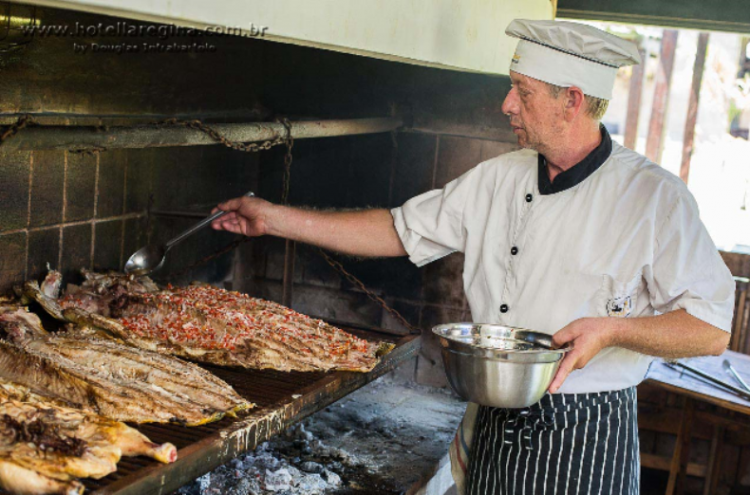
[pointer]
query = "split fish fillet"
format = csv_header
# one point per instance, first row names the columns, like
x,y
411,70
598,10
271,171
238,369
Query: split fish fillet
x,y
210,325
110,378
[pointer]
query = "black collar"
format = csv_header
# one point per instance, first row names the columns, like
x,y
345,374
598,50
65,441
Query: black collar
x,y
578,172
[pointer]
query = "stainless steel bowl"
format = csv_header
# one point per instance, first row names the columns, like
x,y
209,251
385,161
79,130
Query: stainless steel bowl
x,y
498,366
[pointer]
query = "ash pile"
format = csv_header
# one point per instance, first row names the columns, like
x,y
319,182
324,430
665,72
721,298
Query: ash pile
x,y
381,439
284,466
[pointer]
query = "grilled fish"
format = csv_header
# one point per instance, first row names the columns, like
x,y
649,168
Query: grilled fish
x,y
130,441
108,377
210,325
52,444
18,479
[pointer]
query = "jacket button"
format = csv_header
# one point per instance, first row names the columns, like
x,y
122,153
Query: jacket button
x,y
514,250
504,308
529,197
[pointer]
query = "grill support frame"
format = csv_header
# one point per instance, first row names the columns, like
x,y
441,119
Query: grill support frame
x,y
246,433
83,138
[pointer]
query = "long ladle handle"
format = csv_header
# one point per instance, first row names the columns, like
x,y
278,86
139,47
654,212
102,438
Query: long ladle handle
x,y
198,226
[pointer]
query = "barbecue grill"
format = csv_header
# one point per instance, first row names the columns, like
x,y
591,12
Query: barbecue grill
x,y
282,399
102,154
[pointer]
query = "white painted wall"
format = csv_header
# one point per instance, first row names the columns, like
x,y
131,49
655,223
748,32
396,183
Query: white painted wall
x,y
457,34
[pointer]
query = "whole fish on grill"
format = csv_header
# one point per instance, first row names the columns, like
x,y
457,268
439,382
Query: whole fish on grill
x,y
208,324
130,441
45,445
110,378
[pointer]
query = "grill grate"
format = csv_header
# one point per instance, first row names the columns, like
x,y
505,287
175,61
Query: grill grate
x,y
203,448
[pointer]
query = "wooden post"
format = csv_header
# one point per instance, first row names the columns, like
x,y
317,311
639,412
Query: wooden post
x,y
678,467
655,140
714,460
692,115
634,101
742,324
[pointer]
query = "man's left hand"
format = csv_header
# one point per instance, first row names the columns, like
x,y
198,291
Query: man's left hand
x,y
588,336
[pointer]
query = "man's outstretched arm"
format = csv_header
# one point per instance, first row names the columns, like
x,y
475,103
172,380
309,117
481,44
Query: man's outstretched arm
x,y
367,233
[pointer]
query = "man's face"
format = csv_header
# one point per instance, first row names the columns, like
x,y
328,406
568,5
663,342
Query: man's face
x,y
535,115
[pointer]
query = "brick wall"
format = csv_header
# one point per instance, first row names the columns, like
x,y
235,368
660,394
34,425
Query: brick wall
x,y
76,210
73,210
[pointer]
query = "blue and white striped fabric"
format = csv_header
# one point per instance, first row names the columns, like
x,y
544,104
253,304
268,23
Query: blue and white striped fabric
x,y
565,444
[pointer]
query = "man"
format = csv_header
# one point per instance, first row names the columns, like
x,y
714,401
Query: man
x,y
574,236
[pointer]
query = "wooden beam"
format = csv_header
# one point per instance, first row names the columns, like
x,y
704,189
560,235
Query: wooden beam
x,y
692,115
662,463
663,421
634,101
655,140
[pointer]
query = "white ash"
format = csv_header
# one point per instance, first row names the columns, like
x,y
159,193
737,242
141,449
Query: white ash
x,y
383,437
278,467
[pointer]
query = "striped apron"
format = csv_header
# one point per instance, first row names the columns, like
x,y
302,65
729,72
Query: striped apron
x,y
564,444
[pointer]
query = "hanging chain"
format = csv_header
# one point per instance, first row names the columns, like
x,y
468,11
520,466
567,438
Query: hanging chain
x,y
287,163
22,122
235,145
27,120
357,282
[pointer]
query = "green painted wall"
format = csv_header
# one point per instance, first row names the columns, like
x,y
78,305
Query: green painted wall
x,y
724,15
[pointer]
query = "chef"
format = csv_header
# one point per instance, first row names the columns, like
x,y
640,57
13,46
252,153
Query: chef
x,y
573,235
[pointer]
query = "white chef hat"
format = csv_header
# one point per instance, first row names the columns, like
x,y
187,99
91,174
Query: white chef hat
x,y
570,54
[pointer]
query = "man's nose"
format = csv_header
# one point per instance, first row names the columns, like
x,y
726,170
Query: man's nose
x,y
510,104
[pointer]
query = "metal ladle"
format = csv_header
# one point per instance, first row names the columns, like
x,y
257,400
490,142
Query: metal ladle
x,y
150,258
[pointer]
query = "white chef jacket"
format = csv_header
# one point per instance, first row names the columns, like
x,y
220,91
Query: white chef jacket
x,y
626,241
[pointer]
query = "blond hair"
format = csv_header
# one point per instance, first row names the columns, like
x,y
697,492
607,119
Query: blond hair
x,y
595,107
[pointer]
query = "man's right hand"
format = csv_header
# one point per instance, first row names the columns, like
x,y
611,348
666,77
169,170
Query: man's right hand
x,y
247,216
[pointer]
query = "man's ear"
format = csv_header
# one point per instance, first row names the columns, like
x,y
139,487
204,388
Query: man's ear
x,y
574,102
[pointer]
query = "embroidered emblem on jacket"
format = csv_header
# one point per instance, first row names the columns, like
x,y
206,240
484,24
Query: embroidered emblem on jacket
x,y
620,306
